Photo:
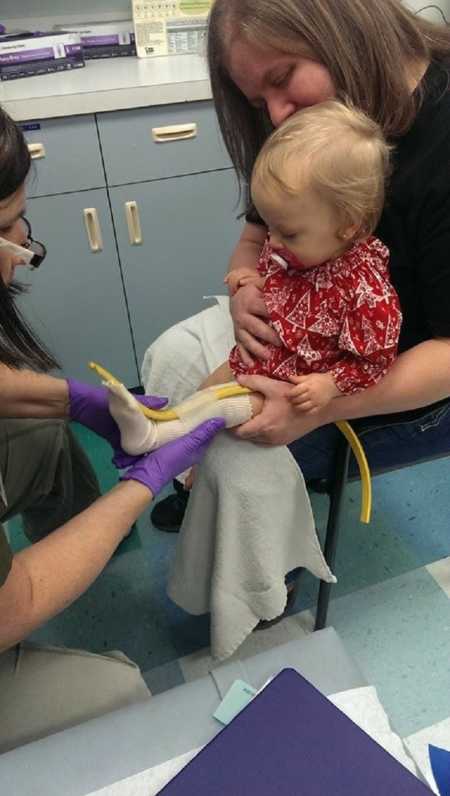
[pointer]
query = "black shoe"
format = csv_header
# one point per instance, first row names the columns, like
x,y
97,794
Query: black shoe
x,y
168,513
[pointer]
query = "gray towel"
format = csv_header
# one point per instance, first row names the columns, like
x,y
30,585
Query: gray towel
x,y
249,518
247,524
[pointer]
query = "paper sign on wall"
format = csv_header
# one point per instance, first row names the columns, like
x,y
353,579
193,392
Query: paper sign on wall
x,y
169,27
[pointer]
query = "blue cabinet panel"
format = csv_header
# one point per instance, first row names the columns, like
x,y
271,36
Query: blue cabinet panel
x,y
72,159
76,303
189,230
132,155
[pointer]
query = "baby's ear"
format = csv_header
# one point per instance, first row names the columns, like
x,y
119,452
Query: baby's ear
x,y
350,232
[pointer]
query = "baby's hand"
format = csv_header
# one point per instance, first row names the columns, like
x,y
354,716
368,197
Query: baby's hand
x,y
239,277
312,392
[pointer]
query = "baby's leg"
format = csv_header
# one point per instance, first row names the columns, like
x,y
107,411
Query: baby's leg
x,y
139,434
224,374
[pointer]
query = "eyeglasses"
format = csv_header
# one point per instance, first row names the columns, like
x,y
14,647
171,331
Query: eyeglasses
x,y
35,246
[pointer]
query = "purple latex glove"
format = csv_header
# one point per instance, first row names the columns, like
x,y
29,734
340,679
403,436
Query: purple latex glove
x,y
155,470
89,406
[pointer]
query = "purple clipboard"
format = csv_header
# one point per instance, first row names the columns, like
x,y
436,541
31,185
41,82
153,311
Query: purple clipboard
x,y
292,741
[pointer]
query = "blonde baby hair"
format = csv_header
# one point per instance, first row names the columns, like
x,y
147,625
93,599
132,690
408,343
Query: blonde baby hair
x,y
337,151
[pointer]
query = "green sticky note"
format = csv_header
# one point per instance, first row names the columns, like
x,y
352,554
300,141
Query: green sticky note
x,y
236,698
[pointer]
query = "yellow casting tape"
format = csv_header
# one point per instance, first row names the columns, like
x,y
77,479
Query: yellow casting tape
x,y
364,472
168,414
235,389
229,390
153,414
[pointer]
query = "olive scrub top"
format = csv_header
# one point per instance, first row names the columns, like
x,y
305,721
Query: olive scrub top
x,y
5,556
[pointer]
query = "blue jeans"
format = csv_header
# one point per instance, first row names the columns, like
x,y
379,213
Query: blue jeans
x,y
388,443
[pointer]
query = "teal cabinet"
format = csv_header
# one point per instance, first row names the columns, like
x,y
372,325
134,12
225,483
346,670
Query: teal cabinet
x,y
138,211
165,141
76,301
188,230
66,156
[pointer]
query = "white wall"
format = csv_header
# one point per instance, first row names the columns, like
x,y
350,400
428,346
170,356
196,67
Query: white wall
x,y
431,13
28,11
49,11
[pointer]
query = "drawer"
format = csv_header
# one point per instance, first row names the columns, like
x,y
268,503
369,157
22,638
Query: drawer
x,y
163,141
66,155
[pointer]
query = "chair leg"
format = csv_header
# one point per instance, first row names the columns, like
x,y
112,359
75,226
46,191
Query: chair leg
x,y
336,495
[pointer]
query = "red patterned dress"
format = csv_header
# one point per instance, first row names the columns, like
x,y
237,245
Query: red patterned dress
x,y
342,317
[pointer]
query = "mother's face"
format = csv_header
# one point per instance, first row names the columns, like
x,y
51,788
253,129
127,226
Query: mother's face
x,y
281,82
13,229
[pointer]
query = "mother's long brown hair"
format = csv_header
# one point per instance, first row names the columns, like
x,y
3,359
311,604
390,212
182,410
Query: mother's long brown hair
x,y
365,45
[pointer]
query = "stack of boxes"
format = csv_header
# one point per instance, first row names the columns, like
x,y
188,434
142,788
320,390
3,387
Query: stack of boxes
x,y
25,54
158,27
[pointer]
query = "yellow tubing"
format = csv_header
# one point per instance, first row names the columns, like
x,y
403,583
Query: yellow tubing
x,y
235,389
364,471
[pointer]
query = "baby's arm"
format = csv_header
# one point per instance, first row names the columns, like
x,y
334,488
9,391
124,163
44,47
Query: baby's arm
x,y
239,277
313,392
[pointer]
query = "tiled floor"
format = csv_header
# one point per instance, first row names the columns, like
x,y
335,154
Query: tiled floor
x,y
391,605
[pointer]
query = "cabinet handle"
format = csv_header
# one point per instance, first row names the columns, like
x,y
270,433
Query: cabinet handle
x,y
36,151
175,132
133,223
93,230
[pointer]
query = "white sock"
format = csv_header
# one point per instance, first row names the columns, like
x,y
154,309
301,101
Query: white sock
x,y
139,434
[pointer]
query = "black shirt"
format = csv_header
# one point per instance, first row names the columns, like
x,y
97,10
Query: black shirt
x,y
415,224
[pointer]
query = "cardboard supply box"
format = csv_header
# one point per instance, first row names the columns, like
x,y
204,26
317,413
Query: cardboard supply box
x,y
170,27
23,55
104,39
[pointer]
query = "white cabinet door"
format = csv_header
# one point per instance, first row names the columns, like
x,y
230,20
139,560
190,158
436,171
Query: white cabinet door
x,y
188,229
77,303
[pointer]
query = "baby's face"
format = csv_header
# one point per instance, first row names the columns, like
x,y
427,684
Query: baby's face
x,y
304,224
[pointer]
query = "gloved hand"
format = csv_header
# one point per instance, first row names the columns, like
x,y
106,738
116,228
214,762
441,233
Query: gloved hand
x,y
155,470
90,406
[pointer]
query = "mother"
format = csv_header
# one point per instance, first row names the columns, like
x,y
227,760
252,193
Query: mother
x,y
269,59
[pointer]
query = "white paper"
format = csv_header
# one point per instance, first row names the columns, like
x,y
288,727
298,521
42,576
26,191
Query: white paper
x,y
417,745
363,707
164,27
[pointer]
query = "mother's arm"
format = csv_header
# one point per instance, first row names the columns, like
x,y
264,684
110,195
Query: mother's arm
x,y
417,378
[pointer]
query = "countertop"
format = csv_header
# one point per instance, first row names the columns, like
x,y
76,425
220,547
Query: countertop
x,y
107,85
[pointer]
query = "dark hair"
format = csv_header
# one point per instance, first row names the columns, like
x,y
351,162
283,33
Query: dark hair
x,y
19,346
364,44
15,158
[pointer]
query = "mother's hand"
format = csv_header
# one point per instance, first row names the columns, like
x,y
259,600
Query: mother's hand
x,y
279,423
251,330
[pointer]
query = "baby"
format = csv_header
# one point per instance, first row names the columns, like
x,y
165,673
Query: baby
x,y
318,184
